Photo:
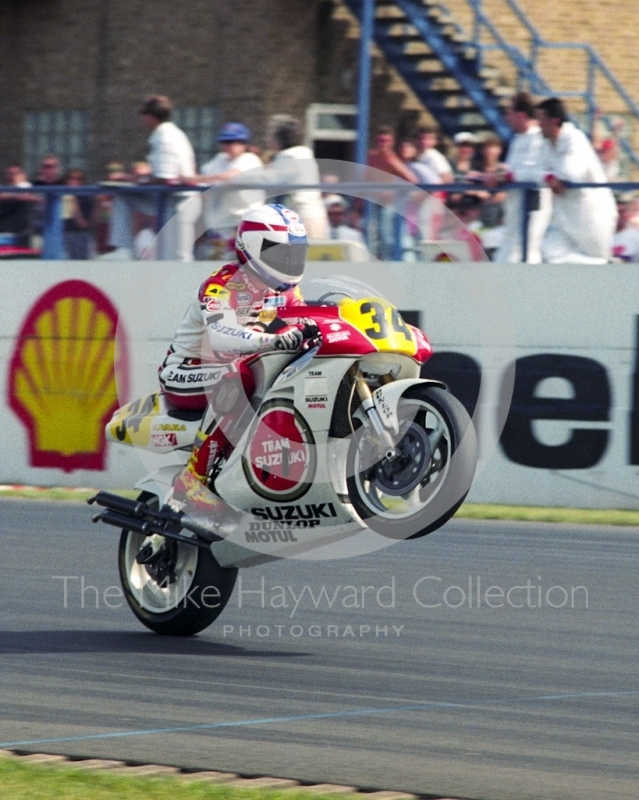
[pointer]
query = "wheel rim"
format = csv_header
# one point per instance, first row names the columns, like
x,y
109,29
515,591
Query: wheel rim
x,y
158,593
388,501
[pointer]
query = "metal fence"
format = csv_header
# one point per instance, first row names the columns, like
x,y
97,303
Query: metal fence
x,y
368,192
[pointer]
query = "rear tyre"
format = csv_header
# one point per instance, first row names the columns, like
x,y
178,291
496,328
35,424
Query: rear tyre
x,y
181,592
423,488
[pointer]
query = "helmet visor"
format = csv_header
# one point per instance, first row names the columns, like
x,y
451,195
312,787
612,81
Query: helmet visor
x,y
287,259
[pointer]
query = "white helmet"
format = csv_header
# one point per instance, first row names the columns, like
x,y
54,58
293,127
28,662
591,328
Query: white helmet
x,y
272,241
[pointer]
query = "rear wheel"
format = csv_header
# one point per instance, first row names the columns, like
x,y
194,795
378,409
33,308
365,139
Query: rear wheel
x,y
423,486
174,589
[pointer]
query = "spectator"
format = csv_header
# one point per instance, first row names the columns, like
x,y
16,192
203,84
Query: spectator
x,y
583,221
49,172
625,242
16,176
468,211
16,209
172,161
339,228
144,244
608,153
140,171
463,161
523,163
78,214
420,212
432,157
287,141
114,172
384,157
385,222
420,170
234,159
490,165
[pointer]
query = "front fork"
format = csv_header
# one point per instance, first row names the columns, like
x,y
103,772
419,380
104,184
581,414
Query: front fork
x,y
369,408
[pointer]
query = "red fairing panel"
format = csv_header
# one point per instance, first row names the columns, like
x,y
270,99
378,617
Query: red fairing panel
x,y
338,337
424,348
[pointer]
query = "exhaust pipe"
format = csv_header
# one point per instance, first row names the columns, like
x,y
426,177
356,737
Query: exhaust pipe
x,y
133,515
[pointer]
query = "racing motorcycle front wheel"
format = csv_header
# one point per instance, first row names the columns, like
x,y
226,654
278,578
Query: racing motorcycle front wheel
x,y
421,487
174,589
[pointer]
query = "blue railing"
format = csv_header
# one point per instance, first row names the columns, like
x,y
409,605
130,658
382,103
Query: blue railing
x,y
53,223
529,75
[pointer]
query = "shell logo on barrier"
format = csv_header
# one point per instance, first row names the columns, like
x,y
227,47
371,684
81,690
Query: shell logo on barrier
x,y
62,376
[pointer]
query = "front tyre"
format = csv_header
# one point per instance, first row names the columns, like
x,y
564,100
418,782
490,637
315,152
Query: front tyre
x,y
422,488
180,590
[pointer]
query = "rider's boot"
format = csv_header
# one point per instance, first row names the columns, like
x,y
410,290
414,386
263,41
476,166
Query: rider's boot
x,y
192,496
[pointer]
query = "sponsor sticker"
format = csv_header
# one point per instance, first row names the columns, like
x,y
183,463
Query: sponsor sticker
x,y
267,316
274,301
244,298
214,305
164,439
340,336
213,290
382,405
279,462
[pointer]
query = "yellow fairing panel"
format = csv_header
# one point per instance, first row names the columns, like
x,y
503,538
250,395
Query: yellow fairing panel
x,y
131,424
381,323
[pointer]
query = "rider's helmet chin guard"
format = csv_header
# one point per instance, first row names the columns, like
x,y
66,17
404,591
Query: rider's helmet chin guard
x,y
272,242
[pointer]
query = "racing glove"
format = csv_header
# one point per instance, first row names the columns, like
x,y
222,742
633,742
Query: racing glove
x,y
289,339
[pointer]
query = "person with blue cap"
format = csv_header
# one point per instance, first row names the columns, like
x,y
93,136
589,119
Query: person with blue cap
x,y
223,210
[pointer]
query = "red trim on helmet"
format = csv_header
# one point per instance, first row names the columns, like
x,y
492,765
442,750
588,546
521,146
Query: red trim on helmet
x,y
248,225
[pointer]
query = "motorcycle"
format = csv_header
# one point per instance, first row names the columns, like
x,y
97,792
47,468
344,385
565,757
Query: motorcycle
x,y
341,441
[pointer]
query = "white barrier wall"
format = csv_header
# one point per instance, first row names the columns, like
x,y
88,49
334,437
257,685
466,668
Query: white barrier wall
x,y
572,433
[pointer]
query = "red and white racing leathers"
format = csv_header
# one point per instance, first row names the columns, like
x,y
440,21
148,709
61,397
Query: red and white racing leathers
x,y
224,322
223,328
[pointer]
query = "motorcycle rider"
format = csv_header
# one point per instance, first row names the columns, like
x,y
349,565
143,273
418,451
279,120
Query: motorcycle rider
x,y
223,330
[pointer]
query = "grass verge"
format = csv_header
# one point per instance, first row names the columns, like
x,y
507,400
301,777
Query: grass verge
x,y
56,493
579,516
39,782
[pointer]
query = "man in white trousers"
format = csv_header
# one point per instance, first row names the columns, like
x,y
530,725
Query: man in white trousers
x,y
583,221
172,161
523,164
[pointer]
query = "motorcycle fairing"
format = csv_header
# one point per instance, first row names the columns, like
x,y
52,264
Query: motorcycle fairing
x,y
150,423
361,327
386,399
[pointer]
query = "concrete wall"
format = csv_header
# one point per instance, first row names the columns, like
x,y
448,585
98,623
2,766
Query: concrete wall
x,y
572,432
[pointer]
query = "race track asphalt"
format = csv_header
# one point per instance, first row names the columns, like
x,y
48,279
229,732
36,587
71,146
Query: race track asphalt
x,y
510,702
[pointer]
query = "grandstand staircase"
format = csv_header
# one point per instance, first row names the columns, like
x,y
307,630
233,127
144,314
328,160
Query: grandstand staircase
x,y
440,64
444,65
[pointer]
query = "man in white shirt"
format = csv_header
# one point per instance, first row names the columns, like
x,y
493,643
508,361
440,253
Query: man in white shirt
x,y
523,164
430,155
225,209
583,221
172,162
295,163
338,227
